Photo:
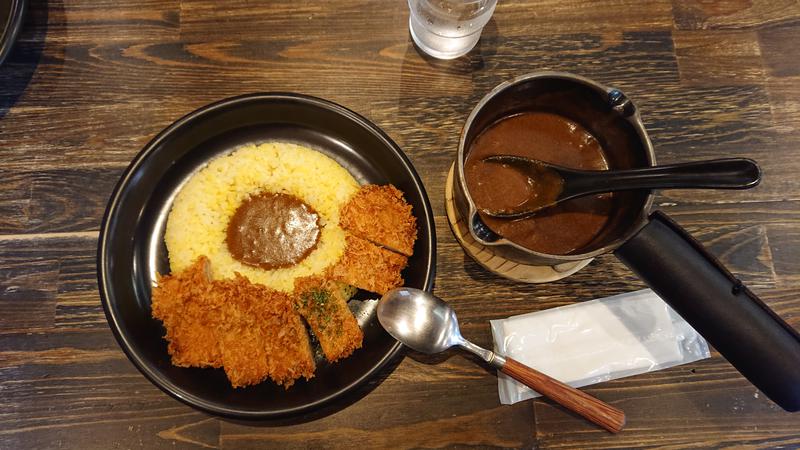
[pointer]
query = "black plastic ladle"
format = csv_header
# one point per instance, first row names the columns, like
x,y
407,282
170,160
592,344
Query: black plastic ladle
x,y
553,184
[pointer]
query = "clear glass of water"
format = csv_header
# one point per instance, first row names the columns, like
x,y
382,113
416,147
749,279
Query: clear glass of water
x,y
447,29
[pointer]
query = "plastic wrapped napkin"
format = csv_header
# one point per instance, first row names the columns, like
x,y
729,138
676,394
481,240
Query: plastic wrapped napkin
x,y
595,341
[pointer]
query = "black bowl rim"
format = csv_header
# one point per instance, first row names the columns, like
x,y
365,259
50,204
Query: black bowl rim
x,y
12,28
152,375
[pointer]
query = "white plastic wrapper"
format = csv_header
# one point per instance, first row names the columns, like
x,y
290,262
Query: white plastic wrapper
x,y
595,341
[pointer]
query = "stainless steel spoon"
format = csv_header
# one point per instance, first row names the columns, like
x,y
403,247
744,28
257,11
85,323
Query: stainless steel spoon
x,y
427,324
552,184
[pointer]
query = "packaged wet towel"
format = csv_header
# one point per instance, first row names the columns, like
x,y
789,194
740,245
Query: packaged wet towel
x,y
596,341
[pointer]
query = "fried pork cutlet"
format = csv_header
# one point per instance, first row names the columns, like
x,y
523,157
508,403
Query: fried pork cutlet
x,y
252,331
369,267
380,214
323,303
182,302
262,334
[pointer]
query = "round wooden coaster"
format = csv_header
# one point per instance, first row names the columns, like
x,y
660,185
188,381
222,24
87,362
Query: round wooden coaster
x,y
486,256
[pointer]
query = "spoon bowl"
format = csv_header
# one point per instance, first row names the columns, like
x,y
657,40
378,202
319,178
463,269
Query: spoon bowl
x,y
428,324
419,320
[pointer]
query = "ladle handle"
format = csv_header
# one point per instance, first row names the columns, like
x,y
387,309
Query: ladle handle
x,y
597,411
727,173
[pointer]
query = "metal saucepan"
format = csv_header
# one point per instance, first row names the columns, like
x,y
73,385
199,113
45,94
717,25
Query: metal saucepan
x,y
763,347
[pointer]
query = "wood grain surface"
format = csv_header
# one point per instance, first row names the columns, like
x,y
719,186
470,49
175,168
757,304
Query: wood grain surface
x,y
90,82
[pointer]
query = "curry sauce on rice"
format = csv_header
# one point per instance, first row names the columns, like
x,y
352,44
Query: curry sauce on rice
x,y
265,243
198,222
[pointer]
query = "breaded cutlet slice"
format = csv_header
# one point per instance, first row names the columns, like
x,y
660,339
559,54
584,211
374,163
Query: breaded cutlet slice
x,y
380,214
261,334
323,303
251,330
181,302
368,266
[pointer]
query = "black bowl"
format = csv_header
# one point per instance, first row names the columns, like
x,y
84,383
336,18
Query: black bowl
x,y
132,250
11,14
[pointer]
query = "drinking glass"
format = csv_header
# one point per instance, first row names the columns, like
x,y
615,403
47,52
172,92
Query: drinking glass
x,y
447,29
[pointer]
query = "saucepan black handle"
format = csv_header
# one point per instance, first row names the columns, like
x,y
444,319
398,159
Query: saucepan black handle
x,y
763,347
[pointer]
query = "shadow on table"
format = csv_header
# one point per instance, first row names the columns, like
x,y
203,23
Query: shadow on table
x,y
428,85
368,387
439,358
472,61
18,69
426,78
330,408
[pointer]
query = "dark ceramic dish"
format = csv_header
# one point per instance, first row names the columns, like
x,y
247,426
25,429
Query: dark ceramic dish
x,y
11,14
131,248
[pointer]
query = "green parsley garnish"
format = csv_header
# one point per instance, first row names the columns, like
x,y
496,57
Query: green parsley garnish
x,y
317,302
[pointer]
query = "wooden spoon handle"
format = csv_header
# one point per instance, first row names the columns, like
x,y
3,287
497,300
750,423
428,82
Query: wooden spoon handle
x,y
597,411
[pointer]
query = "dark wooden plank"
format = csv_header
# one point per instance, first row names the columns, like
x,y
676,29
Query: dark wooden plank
x,y
29,285
77,270
422,405
78,301
66,140
15,200
308,20
320,21
784,94
717,407
56,200
488,428
87,395
732,14
779,54
720,122
80,309
708,58
576,16
784,244
783,300
778,212
108,20
697,122
180,70
48,281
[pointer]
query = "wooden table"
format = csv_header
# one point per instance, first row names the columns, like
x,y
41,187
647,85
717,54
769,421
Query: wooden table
x,y
90,82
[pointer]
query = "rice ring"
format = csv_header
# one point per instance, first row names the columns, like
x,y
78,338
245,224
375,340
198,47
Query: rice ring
x,y
199,217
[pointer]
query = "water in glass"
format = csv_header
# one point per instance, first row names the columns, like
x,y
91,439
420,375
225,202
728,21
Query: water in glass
x,y
448,29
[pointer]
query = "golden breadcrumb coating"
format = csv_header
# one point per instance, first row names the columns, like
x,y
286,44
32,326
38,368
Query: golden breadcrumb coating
x,y
262,334
380,214
369,267
252,331
323,303
182,302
